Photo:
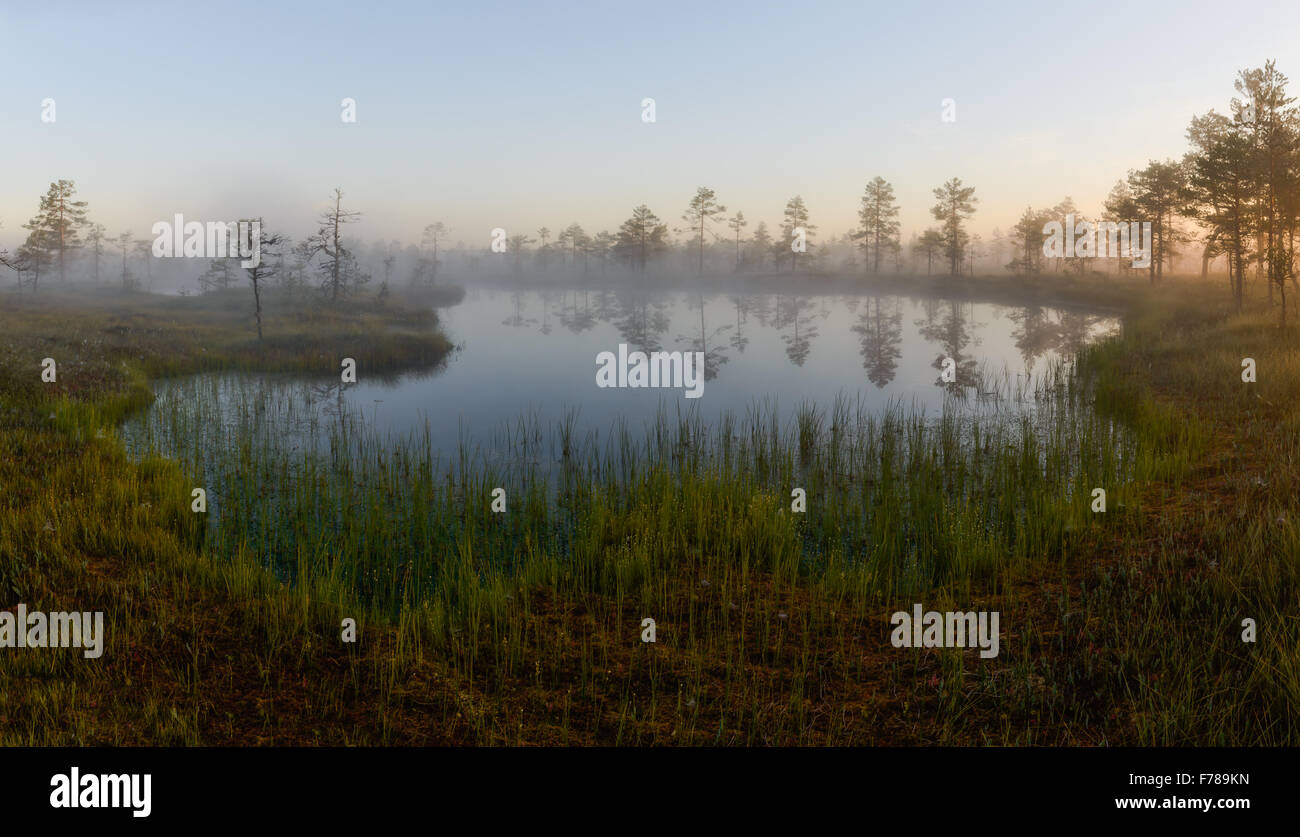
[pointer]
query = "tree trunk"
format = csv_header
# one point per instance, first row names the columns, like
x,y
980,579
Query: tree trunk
x,y
257,300
701,263
338,200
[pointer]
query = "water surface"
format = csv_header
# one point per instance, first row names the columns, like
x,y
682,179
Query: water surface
x,y
532,353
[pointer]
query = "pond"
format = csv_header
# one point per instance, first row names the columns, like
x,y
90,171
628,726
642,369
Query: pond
x,y
531,354
903,422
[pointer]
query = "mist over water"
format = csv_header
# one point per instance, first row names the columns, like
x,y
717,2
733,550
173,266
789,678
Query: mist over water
x,y
526,358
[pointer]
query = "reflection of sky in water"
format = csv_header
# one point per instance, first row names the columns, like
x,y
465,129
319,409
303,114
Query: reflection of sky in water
x,y
534,352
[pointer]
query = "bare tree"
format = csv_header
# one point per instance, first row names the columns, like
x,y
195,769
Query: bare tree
x,y
328,241
432,235
267,246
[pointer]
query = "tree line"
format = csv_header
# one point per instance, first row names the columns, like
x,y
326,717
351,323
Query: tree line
x,y
1235,195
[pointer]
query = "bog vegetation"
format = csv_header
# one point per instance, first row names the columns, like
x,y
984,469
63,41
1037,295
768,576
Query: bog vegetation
x,y
1122,627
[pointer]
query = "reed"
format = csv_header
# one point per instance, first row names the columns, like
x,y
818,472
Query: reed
x,y
1122,628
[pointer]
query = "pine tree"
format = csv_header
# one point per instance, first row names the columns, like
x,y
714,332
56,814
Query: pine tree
x,y
796,218
878,218
1274,133
737,223
760,243
574,238
641,237
124,244
36,253
703,208
956,205
57,224
1158,192
930,243
95,241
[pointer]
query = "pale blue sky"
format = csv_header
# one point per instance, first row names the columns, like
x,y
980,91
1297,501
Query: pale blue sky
x,y
518,115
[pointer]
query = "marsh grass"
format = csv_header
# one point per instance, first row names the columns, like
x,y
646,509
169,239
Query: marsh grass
x,y
898,502
1121,628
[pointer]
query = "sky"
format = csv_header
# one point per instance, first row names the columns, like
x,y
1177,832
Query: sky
x,y
523,115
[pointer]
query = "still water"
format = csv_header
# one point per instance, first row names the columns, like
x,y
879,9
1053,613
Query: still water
x,y
532,353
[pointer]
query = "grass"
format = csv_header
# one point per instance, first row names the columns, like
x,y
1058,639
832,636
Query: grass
x,y
772,627
900,501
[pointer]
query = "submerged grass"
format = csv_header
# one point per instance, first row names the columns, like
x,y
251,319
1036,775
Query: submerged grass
x,y
772,626
893,503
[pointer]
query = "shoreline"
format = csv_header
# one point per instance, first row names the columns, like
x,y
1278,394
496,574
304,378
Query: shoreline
x,y
231,618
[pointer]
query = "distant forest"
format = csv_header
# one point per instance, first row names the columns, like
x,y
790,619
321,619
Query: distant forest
x,y
1230,207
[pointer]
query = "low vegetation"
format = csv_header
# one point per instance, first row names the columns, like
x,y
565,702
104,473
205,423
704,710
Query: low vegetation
x,y
772,625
